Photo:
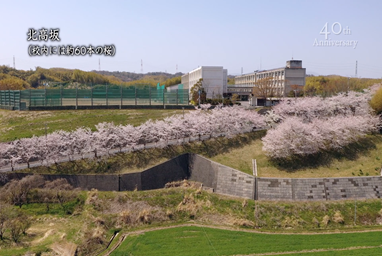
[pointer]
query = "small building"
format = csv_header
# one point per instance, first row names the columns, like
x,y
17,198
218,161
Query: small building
x,y
214,80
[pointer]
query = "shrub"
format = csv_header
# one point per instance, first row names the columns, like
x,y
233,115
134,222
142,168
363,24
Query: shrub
x,y
325,221
338,218
17,192
125,217
145,216
376,101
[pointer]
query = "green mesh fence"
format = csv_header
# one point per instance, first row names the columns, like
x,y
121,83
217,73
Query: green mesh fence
x,y
10,99
109,95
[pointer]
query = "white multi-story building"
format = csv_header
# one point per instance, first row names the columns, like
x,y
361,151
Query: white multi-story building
x,y
214,80
282,78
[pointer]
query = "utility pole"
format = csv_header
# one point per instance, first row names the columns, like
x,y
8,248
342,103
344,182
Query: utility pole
x,y
356,64
14,66
347,89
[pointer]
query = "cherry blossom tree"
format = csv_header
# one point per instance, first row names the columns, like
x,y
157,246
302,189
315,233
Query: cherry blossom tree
x,y
308,125
108,138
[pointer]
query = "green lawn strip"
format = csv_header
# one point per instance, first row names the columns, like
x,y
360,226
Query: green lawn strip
x,y
21,251
208,241
347,252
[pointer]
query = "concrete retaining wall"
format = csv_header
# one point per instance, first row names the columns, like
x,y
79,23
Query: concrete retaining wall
x,y
319,188
203,170
225,180
153,178
85,182
172,170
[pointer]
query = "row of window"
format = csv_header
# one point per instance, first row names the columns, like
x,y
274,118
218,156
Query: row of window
x,y
232,90
253,78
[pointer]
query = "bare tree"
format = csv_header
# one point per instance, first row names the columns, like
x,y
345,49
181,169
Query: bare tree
x,y
297,90
16,192
235,97
60,191
5,215
264,88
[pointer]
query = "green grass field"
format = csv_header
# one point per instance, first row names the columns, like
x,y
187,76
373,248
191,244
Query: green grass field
x,y
189,241
23,124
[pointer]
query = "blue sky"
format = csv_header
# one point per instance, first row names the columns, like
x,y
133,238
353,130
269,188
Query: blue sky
x,y
233,34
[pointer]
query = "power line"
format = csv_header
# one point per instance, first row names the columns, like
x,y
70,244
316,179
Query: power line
x,y
205,233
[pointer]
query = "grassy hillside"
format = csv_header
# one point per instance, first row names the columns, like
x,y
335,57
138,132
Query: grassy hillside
x,y
90,219
358,159
332,84
13,79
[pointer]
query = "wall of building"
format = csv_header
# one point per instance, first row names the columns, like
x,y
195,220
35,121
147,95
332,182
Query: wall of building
x,y
225,81
194,77
214,80
185,80
294,77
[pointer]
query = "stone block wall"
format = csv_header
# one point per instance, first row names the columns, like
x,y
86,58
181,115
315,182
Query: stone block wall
x,y
319,188
273,189
234,182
